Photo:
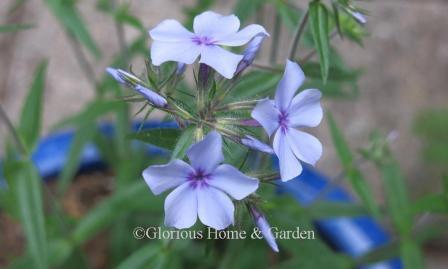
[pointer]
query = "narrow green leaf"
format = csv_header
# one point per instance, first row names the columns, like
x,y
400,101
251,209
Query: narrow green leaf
x,y
162,137
319,27
396,196
68,15
244,9
411,254
434,203
290,16
31,116
26,186
141,257
84,135
8,28
255,84
354,175
85,122
331,209
185,140
132,197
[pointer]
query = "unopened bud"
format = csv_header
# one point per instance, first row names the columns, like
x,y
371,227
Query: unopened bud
x,y
253,143
250,53
134,82
263,225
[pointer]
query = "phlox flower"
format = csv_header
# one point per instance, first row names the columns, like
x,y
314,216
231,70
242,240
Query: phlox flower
x,y
262,223
280,117
173,42
202,188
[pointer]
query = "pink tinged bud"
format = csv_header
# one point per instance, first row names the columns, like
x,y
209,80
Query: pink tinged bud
x,y
250,122
263,225
250,53
253,143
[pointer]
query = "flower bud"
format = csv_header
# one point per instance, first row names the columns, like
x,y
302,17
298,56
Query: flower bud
x,y
253,143
358,16
250,53
134,82
263,225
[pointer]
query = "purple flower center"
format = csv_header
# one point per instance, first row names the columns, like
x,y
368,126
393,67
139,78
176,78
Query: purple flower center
x,y
198,178
283,121
203,40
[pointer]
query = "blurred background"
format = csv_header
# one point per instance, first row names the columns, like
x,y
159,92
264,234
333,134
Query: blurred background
x,y
402,90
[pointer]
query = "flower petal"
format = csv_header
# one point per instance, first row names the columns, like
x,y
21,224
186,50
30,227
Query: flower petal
x,y
115,74
242,37
182,51
160,178
228,179
215,25
267,115
223,61
264,227
253,143
151,96
170,31
305,109
288,85
181,207
305,146
290,166
215,209
206,154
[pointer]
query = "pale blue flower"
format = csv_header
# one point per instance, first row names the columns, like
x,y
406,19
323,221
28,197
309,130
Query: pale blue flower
x,y
283,115
173,42
132,81
202,188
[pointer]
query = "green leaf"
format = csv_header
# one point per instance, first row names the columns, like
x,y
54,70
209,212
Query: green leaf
x,y
85,122
244,9
255,84
26,187
84,135
161,137
411,254
396,196
68,15
319,27
331,209
132,197
434,203
354,175
122,15
8,28
185,140
140,257
290,16
31,116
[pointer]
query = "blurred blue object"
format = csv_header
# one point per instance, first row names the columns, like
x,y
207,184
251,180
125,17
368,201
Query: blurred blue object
x,y
354,236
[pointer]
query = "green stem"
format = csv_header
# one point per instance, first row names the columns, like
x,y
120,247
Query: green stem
x,y
298,35
275,39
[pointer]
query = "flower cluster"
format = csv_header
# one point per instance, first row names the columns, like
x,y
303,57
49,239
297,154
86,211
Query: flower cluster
x,y
206,188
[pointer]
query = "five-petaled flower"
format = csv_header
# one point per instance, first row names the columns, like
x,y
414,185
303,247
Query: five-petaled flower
x,y
286,113
202,188
173,42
